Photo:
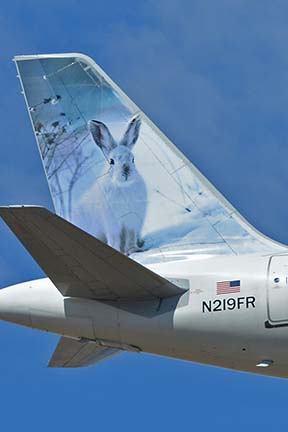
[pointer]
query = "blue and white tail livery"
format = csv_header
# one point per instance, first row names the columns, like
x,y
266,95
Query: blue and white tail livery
x,y
112,173
202,285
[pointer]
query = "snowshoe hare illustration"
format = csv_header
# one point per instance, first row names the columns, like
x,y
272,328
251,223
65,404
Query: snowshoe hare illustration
x,y
121,193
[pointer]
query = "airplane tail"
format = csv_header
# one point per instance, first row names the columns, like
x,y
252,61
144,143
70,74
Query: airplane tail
x,y
115,175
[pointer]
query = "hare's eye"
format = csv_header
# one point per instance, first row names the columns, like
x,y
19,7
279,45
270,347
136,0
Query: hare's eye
x,y
111,162
133,160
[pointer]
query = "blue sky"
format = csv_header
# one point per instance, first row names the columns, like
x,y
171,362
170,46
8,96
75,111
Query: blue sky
x,y
213,76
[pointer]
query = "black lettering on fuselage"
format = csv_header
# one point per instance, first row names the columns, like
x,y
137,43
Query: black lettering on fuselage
x,y
228,304
250,301
217,305
240,301
207,306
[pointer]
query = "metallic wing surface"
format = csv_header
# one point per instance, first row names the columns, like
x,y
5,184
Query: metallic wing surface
x,y
78,264
72,353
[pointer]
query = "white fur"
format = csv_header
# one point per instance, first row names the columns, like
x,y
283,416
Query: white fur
x,y
119,195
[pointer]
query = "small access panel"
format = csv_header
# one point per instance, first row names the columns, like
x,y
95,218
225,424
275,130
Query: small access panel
x,y
277,291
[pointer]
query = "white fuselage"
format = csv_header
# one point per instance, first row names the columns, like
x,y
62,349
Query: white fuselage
x,y
235,330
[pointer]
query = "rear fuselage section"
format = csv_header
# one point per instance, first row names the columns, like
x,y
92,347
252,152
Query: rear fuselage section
x,y
234,313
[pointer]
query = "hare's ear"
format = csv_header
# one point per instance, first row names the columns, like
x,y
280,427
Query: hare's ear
x,y
102,136
131,135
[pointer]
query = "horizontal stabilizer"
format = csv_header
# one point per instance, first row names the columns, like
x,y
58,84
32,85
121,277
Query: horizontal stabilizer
x,y
71,353
78,264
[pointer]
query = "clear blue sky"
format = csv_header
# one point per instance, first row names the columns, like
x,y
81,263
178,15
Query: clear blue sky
x,y
214,76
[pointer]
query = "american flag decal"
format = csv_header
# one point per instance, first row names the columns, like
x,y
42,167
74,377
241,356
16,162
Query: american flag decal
x,y
228,287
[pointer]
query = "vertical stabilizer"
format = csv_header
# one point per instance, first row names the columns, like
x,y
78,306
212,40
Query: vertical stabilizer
x,y
115,175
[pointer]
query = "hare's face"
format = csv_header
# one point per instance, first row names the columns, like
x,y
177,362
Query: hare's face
x,y
122,166
118,154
